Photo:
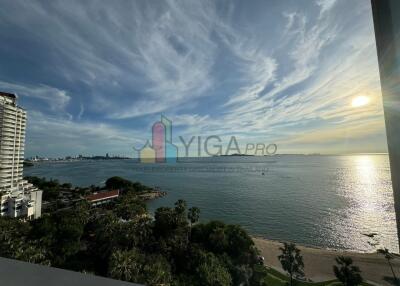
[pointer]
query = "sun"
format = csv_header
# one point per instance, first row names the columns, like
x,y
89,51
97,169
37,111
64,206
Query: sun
x,y
359,101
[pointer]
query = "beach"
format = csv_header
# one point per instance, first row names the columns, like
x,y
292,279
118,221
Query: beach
x,y
319,262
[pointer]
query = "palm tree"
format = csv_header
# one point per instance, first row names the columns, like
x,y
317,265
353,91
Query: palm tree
x,y
180,206
347,273
193,215
125,265
389,256
291,260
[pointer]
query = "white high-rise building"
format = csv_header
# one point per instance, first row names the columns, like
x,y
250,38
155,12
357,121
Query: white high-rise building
x,y
18,198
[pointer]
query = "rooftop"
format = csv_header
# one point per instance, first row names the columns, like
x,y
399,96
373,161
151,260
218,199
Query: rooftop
x,y
103,196
10,95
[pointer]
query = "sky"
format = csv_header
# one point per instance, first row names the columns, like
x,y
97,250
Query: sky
x,y
95,75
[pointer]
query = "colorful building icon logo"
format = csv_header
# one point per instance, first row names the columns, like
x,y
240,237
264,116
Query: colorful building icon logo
x,y
161,149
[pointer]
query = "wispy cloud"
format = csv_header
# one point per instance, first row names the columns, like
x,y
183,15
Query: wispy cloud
x,y
164,55
213,67
70,137
325,5
55,98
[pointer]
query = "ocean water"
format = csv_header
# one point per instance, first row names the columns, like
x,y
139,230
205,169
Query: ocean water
x,y
322,201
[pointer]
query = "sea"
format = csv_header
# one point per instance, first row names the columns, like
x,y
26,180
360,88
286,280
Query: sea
x,y
333,202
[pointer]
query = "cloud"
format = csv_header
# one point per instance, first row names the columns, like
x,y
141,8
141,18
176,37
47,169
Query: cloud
x,y
213,67
70,137
340,133
55,98
189,119
81,111
260,71
325,5
164,53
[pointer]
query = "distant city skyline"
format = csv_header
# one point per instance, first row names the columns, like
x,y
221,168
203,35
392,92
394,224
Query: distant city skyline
x,y
93,78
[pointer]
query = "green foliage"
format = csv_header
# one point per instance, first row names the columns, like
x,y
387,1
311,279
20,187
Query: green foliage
x,y
346,272
213,272
193,215
129,207
15,243
135,266
125,185
117,183
66,186
291,260
122,241
61,233
11,231
220,238
126,265
156,270
180,208
166,221
50,188
31,251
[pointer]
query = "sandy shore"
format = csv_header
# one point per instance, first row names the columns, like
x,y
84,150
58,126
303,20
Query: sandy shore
x,y
319,262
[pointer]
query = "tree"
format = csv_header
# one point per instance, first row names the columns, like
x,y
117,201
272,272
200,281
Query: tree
x,y
212,272
118,183
103,236
130,207
15,242
60,233
164,221
126,265
239,244
156,271
134,266
31,251
66,186
180,210
193,215
12,235
50,188
291,260
388,256
347,273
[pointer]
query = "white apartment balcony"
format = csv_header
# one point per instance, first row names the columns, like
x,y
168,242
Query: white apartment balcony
x,y
12,126
9,151
12,160
10,154
7,120
8,115
7,170
10,107
6,128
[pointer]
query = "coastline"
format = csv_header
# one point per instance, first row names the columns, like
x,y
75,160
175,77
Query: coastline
x,y
152,195
319,262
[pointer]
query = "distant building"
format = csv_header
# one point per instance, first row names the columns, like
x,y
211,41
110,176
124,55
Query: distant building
x,y
18,198
102,197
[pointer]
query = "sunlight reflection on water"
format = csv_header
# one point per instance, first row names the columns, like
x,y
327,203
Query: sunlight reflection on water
x,y
368,205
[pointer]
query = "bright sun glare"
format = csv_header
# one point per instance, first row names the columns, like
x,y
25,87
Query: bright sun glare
x,y
359,101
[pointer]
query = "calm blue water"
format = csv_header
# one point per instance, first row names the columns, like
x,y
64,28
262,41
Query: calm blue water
x,y
323,201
